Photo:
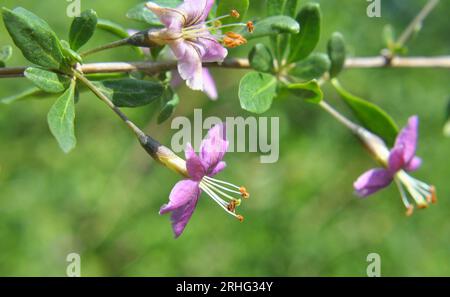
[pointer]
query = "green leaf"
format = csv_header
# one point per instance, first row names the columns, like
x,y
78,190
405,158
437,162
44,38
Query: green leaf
x,y
315,66
82,29
261,58
47,81
226,6
130,92
72,56
282,7
305,42
5,54
309,91
141,13
170,101
256,91
34,37
33,92
337,53
272,26
61,119
112,28
370,115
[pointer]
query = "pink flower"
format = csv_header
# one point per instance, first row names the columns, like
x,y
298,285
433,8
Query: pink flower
x,y
201,169
209,85
191,39
398,161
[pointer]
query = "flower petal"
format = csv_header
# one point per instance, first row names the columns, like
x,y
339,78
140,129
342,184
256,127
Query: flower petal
x,y
176,79
171,18
214,51
196,10
407,139
194,164
396,161
219,167
209,85
372,181
414,164
182,193
181,216
189,63
213,147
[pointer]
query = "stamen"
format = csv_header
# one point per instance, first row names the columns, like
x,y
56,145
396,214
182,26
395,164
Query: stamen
x,y
403,196
232,40
209,182
433,195
250,27
410,211
228,207
244,192
232,205
221,182
235,14
220,192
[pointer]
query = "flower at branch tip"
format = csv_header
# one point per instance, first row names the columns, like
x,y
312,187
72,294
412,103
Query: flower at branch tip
x,y
192,39
201,169
397,162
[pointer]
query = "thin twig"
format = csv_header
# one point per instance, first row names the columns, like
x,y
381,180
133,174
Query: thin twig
x,y
408,32
139,133
156,67
399,62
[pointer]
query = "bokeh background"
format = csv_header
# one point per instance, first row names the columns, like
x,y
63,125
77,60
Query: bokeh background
x,y
102,199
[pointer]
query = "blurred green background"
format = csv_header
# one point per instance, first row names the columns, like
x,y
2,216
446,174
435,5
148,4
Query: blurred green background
x,y
102,200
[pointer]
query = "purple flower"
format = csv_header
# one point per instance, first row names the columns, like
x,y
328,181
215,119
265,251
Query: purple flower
x,y
191,39
209,85
201,169
399,160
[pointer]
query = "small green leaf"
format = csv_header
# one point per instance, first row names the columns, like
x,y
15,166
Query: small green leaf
x,y
337,53
309,91
256,91
261,58
370,115
30,93
305,42
5,54
141,13
226,6
315,66
61,119
72,56
282,7
170,101
82,29
272,26
47,81
129,92
34,37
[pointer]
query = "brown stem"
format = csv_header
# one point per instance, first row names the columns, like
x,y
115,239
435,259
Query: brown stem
x,y
156,67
